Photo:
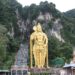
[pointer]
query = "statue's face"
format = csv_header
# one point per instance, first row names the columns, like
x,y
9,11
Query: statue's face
x,y
39,28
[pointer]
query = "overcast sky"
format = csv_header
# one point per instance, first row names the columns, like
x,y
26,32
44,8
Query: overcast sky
x,y
62,5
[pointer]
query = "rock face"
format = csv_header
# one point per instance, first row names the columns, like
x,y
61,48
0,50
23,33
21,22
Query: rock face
x,y
57,26
21,25
46,17
25,26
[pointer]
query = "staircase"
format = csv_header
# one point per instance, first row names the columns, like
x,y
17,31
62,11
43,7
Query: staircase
x,y
22,55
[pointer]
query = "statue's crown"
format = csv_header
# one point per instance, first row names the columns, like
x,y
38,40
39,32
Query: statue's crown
x,y
39,25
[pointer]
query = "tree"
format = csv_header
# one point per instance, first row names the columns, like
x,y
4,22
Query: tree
x,y
3,43
59,49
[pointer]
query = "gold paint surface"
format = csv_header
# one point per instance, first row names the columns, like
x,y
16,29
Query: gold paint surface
x,y
38,47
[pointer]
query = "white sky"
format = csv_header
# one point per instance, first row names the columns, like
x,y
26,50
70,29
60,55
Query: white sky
x,y
62,5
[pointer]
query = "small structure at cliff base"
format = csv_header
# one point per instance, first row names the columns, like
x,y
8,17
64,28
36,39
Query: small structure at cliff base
x,y
70,68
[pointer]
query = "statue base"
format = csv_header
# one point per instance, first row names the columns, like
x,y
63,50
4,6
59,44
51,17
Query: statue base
x,y
40,70
22,70
44,71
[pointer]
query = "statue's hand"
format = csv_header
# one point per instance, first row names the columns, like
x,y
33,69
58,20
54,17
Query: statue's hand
x,y
45,45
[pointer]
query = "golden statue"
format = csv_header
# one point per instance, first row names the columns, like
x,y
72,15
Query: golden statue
x,y
38,47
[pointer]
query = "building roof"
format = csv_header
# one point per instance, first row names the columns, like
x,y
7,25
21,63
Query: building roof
x,y
69,65
4,70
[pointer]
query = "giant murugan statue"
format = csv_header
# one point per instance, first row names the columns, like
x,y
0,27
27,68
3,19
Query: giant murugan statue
x,y
38,47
